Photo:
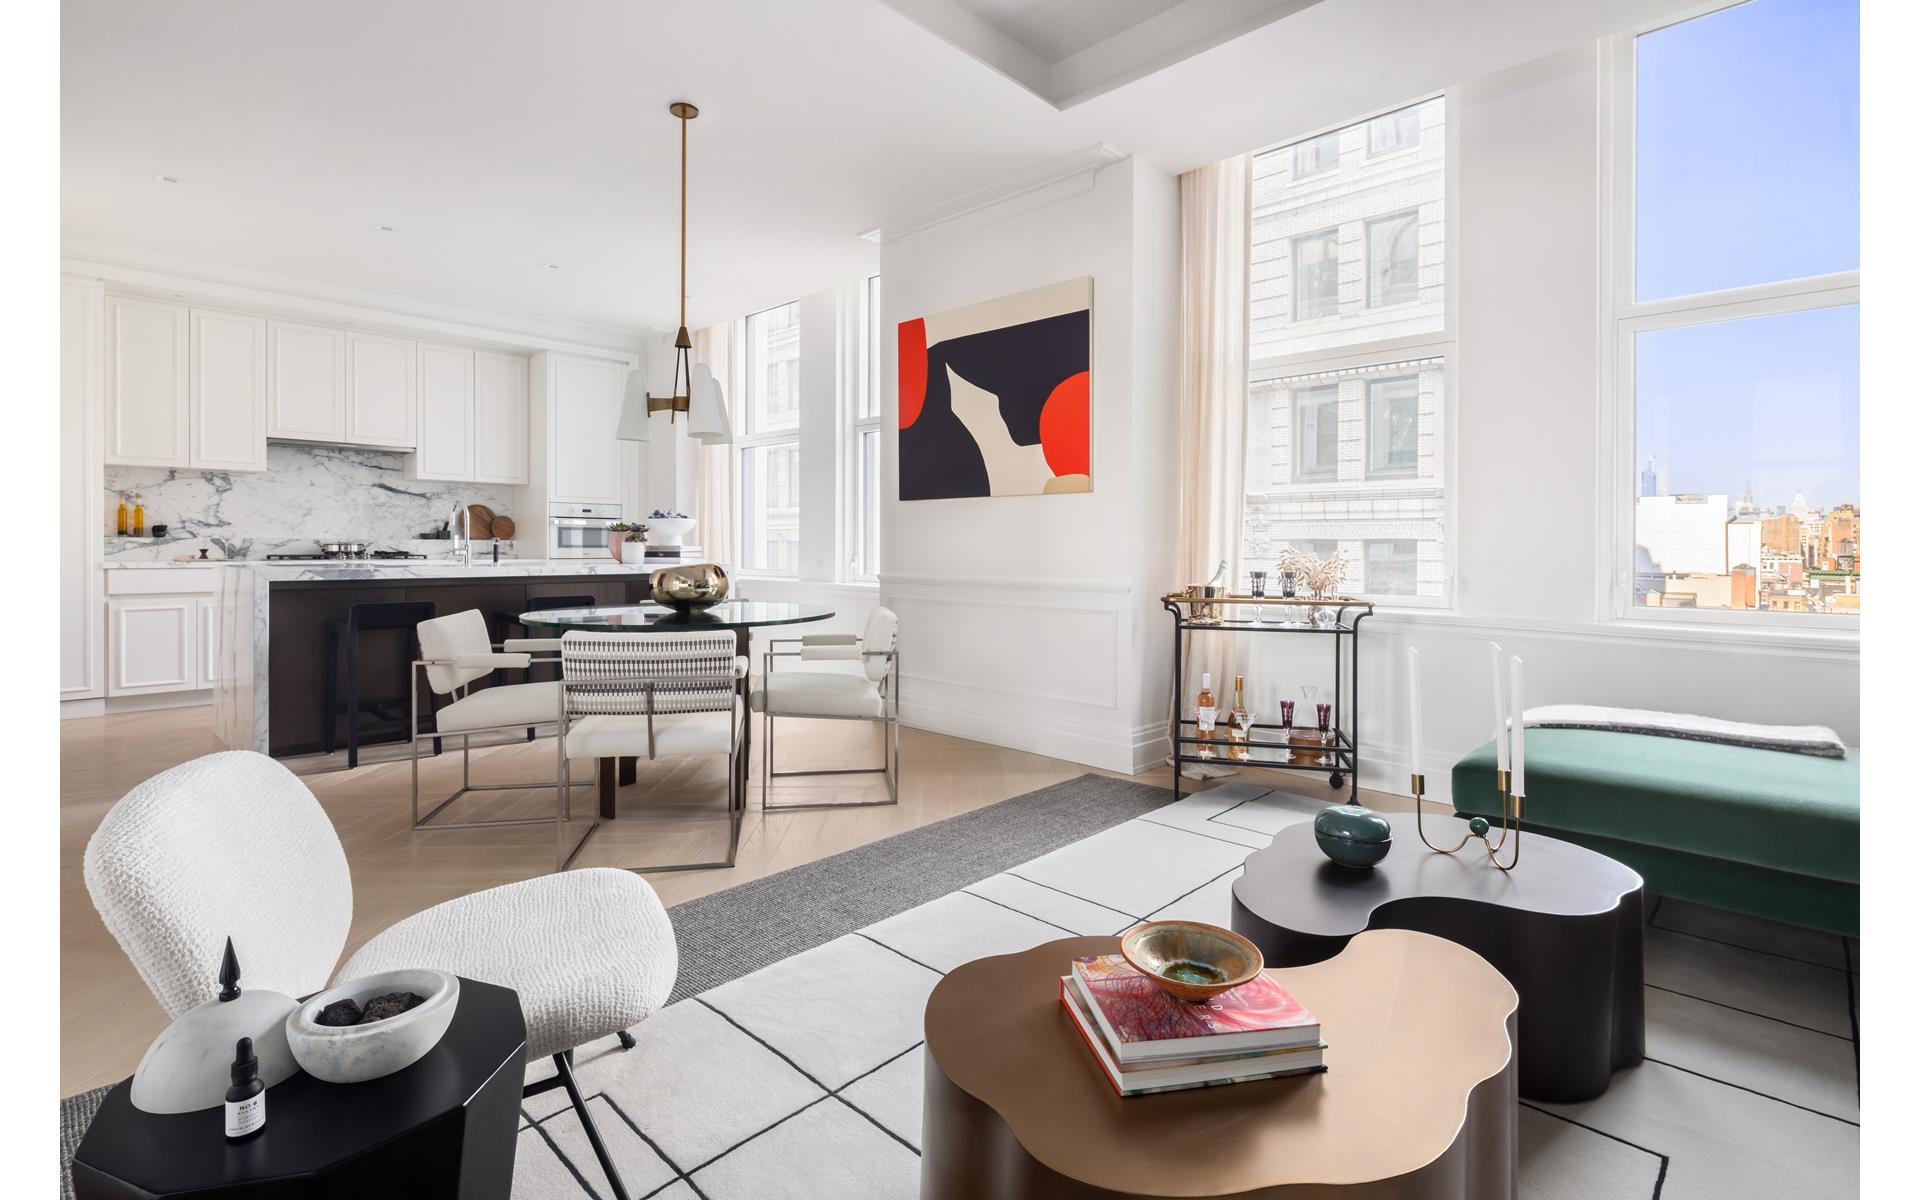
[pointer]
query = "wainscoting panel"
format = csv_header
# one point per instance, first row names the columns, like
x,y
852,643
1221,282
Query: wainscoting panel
x,y
1043,665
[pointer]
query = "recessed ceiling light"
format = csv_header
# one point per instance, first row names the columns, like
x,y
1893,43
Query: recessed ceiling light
x,y
166,179
551,266
383,229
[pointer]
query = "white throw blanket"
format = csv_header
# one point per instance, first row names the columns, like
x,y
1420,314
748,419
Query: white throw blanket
x,y
1794,739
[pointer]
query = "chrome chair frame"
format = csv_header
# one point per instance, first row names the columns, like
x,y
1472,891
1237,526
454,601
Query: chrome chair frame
x,y
466,754
889,721
736,787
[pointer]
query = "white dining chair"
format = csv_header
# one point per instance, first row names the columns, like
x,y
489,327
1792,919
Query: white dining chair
x,y
456,653
233,845
840,677
653,695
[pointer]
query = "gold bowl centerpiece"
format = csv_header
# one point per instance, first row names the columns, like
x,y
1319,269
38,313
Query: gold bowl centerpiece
x,y
691,587
1191,960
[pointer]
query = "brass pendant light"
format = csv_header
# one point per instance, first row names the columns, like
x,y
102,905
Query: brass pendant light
x,y
689,389
679,397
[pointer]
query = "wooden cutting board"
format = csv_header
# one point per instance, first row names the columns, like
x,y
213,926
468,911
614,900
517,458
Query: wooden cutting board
x,y
479,521
503,528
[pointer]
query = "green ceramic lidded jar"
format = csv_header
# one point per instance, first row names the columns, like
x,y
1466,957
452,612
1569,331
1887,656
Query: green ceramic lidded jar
x,y
1352,835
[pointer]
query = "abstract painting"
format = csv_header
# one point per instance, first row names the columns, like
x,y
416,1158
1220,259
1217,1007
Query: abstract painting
x,y
996,398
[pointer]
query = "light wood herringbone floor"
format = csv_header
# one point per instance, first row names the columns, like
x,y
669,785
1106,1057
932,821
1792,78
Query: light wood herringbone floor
x,y
108,1017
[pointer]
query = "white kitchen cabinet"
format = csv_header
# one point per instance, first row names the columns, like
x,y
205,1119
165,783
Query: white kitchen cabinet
x,y
227,392
82,602
380,392
151,642
446,414
162,630
583,410
499,418
147,388
306,382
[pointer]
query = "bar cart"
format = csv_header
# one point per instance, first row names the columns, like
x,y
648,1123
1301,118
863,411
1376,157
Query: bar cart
x,y
1336,618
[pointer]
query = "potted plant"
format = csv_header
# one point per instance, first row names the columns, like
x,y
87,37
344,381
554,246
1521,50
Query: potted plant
x,y
623,534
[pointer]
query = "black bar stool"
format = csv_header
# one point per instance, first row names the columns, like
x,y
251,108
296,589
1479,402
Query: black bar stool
x,y
391,714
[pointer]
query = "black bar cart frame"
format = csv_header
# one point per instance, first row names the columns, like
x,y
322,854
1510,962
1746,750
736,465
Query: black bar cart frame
x,y
1340,759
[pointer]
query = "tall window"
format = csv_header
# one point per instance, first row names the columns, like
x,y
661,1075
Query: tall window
x,y
1393,427
768,443
1736,314
1315,155
1393,259
1316,412
1316,273
865,457
1346,421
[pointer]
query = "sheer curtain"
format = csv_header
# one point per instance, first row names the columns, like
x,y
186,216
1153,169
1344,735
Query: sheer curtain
x,y
1215,234
713,490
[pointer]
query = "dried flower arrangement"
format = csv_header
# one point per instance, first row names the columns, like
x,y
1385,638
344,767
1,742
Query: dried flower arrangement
x,y
1321,576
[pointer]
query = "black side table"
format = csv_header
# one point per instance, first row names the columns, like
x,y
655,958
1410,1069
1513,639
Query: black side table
x,y
1564,927
442,1128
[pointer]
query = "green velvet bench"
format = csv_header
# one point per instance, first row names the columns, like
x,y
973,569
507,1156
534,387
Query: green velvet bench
x,y
1758,831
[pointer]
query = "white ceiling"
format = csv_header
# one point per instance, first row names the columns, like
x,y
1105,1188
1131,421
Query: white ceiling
x,y
497,136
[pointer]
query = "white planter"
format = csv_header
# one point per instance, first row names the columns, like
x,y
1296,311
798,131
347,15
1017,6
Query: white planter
x,y
357,1053
668,531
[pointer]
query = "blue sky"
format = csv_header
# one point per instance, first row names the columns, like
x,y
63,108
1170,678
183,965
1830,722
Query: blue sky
x,y
1748,171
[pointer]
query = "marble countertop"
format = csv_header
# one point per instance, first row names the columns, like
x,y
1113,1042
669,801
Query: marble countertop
x,y
401,568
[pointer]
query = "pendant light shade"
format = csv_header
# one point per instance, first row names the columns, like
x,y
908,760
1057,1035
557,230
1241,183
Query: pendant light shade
x,y
708,423
634,423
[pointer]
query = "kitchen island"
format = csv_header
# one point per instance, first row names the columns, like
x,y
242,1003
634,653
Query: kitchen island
x,y
274,618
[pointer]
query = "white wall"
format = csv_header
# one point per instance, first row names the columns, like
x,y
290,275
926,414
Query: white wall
x,y
1524,477
1033,621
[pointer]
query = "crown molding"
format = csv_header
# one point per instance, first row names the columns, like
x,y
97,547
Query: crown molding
x,y
1069,175
301,296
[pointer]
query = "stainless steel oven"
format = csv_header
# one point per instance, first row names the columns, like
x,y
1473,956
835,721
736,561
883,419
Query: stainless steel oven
x,y
579,530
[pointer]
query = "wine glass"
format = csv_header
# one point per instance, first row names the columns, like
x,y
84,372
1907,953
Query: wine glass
x,y
1239,729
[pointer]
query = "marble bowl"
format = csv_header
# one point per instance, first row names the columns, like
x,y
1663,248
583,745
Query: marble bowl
x,y
1191,960
357,1053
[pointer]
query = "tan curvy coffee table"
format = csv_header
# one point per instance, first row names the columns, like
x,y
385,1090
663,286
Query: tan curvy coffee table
x,y
1418,1101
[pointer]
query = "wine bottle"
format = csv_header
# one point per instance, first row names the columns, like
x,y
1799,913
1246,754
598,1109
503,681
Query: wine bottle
x,y
1204,713
139,517
120,517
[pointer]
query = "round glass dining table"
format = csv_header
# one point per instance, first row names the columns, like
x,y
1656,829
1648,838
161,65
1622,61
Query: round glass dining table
x,y
740,616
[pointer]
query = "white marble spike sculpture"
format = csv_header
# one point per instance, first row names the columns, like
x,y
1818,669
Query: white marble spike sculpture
x,y
186,1068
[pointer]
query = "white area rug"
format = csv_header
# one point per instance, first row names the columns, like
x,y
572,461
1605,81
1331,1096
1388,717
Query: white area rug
x,y
803,1079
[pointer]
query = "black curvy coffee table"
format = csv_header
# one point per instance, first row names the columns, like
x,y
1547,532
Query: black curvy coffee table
x,y
1564,927
444,1128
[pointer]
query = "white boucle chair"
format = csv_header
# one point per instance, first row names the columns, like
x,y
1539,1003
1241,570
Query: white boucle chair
x,y
644,695
844,679
455,653
234,845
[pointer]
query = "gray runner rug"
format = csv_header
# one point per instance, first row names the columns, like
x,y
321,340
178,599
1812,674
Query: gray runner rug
x,y
738,930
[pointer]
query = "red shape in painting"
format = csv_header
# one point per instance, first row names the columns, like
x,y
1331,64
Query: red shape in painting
x,y
913,370
1066,435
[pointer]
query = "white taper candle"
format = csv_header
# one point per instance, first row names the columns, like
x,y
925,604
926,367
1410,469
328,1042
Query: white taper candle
x,y
1519,733
1499,710
1413,706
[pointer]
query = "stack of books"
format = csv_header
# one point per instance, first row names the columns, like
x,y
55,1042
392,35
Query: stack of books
x,y
1146,1041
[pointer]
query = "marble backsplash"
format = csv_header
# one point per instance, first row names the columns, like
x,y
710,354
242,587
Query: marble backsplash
x,y
305,494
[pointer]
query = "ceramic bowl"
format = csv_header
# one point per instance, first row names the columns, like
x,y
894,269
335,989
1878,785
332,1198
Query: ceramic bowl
x,y
1191,960
668,531
357,1053
1353,835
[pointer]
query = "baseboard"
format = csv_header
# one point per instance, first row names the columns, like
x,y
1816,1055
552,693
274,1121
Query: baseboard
x,y
95,707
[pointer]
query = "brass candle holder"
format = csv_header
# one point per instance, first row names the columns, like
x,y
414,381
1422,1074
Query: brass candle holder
x,y
1511,806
